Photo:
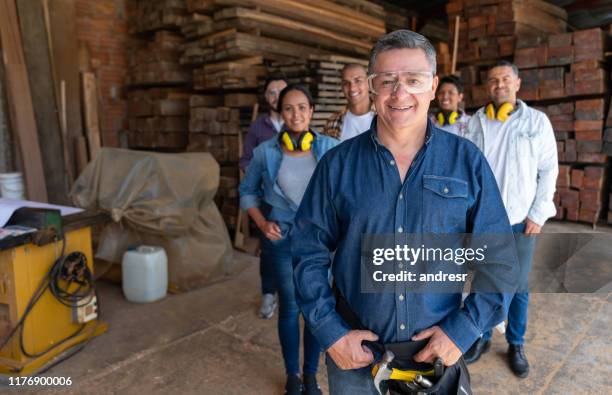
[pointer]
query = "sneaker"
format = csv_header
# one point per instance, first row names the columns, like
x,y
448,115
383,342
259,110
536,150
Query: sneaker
x,y
268,305
310,385
294,385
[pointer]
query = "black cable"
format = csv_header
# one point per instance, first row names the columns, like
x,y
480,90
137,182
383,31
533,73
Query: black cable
x,y
71,269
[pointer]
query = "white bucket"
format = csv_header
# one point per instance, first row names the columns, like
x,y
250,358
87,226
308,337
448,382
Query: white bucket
x,y
11,185
145,274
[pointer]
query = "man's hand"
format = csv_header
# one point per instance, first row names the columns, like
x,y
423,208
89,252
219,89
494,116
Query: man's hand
x,y
348,352
439,346
531,228
271,230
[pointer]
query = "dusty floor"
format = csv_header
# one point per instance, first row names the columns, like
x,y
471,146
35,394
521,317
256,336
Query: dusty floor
x,y
210,341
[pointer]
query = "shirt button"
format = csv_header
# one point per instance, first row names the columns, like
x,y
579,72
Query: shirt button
x,y
401,196
392,162
400,229
402,327
400,265
401,297
445,189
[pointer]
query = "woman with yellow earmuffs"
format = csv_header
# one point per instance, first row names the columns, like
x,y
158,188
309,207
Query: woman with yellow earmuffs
x,y
279,174
450,117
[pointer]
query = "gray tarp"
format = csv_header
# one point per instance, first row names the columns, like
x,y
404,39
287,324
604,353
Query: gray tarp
x,y
164,200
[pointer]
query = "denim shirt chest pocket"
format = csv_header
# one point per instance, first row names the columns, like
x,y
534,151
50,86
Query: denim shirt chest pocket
x,y
445,203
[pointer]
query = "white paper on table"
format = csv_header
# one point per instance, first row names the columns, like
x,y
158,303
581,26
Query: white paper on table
x,y
8,207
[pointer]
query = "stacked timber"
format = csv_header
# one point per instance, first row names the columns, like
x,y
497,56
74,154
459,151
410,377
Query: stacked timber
x,y
154,15
231,45
567,71
489,31
158,85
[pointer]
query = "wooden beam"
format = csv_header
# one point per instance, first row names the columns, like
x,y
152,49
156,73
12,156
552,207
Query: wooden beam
x,y
44,98
20,102
90,104
64,57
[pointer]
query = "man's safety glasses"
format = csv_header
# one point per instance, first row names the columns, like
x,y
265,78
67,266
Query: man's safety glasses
x,y
388,82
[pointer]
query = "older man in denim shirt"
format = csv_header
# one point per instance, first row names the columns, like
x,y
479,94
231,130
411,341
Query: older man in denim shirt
x,y
402,176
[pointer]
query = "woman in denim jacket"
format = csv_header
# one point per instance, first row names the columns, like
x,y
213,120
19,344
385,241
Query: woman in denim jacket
x,y
279,174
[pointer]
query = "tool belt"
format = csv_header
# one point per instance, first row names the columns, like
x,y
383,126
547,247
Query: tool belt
x,y
449,380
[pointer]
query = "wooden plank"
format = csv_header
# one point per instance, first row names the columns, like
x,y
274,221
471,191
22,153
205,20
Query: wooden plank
x,y
81,153
308,13
64,50
90,104
283,28
44,98
20,102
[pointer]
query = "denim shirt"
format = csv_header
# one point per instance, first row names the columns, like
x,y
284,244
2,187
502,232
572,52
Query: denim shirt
x,y
260,180
356,189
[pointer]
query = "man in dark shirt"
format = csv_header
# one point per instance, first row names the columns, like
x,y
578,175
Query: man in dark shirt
x,y
403,176
266,126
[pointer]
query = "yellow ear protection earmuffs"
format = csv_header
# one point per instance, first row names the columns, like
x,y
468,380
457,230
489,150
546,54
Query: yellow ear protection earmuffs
x,y
500,114
302,143
448,118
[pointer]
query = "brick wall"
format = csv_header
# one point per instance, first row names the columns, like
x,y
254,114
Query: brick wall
x,y
102,26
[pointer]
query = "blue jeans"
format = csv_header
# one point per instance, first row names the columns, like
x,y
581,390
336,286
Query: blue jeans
x,y
279,255
266,268
266,271
517,314
350,382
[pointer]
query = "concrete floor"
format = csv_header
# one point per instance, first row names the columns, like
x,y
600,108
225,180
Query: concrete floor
x,y
210,341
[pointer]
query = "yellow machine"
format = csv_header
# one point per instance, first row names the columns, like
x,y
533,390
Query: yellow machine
x,y
51,329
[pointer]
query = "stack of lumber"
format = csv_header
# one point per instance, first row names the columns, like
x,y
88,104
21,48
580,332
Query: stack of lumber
x,y
230,47
155,62
242,74
563,65
563,74
322,75
580,193
158,85
215,128
488,28
158,118
567,72
489,31
153,15
274,28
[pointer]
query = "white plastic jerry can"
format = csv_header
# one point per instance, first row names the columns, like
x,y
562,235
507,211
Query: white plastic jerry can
x,y
145,274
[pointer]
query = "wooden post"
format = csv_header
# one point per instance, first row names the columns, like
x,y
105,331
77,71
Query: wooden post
x,y
90,104
455,45
242,232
